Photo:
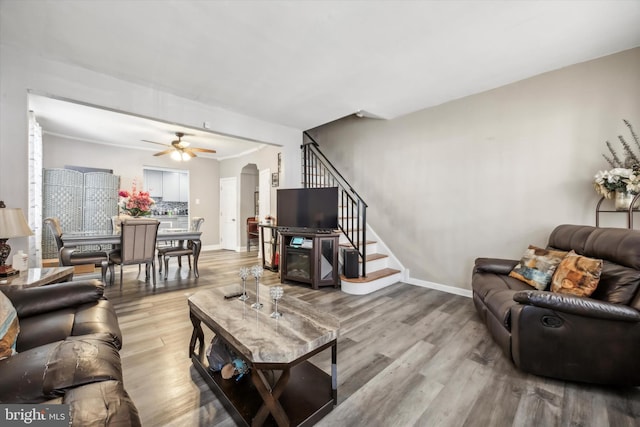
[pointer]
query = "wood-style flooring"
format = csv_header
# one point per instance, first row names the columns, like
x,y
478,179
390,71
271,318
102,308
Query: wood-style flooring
x,y
407,356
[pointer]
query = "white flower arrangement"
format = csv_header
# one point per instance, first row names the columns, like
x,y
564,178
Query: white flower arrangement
x,y
624,176
625,180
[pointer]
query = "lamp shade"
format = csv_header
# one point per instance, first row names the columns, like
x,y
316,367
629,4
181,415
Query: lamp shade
x,y
13,224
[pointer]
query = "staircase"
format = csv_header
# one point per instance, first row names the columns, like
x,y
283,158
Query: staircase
x,y
377,266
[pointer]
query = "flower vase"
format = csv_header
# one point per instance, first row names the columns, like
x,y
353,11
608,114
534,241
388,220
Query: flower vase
x,y
623,200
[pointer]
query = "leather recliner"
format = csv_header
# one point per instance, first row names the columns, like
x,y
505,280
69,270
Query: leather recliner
x,y
67,352
594,339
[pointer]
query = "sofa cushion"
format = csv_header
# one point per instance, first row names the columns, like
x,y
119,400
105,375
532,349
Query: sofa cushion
x,y
568,237
618,284
483,283
577,275
81,360
105,403
499,304
9,327
95,317
537,265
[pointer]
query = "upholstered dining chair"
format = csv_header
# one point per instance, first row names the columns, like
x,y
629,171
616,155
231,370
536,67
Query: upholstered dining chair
x,y
137,246
252,232
73,257
179,250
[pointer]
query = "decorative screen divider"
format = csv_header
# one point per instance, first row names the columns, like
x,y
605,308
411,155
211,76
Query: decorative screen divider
x,y
81,202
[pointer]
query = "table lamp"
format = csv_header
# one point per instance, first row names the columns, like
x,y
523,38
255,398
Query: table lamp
x,y
12,224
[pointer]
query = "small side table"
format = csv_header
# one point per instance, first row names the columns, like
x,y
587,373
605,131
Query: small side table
x,y
39,276
270,260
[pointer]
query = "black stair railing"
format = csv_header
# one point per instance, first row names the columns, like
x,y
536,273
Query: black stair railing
x,y
318,171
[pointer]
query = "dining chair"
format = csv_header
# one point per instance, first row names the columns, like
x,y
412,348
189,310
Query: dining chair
x,y
73,257
179,250
252,232
137,246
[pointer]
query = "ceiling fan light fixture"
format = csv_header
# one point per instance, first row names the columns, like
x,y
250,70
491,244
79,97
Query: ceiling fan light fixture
x,y
176,155
185,156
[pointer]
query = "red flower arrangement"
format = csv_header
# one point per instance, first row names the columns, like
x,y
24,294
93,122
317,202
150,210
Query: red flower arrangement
x,y
135,203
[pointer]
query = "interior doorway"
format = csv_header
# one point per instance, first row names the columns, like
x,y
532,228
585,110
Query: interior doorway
x,y
229,213
249,199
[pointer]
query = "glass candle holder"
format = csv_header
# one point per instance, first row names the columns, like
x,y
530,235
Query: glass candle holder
x,y
256,270
244,273
276,293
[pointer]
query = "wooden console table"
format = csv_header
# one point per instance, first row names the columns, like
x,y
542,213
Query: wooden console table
x,y
270,260
303,393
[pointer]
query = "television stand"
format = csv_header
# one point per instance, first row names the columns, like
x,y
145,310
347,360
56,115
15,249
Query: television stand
x,y
315,264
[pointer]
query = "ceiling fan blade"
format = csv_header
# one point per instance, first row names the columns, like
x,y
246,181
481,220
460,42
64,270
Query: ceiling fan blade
x,y
202,150
190,152
153,142
164,152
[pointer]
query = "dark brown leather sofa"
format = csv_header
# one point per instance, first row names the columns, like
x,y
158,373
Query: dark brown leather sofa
x,y
595,339
67,352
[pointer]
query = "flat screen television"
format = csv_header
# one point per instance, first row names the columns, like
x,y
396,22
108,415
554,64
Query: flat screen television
x,y
314,209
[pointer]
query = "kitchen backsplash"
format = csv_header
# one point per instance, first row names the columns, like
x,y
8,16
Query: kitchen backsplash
x,y
170,208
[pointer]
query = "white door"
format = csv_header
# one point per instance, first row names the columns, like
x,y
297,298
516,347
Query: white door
x,y
229,213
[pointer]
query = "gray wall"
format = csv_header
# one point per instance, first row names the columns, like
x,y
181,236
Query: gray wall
x,y
488,174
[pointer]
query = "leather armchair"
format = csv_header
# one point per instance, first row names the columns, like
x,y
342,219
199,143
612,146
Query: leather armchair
x,y
595,339
67,352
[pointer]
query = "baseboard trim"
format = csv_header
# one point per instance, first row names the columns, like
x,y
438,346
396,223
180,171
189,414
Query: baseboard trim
x,y
437,286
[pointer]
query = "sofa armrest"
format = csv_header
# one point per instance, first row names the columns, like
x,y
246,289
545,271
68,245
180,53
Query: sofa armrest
x,y
577,305
43,299
494,265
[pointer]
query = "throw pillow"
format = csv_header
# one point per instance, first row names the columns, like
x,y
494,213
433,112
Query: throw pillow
x,y
577,275
536,267
9,327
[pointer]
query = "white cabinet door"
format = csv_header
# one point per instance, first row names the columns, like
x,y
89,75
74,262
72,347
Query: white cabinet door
x,y
153,182
170,187
184,187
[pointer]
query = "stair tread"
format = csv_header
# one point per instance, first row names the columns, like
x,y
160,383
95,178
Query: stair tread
x,y
371,257
371,276
349,245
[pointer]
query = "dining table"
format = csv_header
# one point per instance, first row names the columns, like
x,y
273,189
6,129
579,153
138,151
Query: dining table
x,y
73,239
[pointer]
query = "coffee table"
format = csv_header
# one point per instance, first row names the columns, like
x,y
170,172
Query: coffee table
x,y
39,276
303,393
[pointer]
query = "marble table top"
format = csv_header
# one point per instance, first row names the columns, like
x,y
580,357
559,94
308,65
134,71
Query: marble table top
x,y
259,337
38,276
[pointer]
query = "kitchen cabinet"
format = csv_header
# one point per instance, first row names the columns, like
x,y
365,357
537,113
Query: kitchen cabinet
x,y
153,182
184,187
170,186
166,185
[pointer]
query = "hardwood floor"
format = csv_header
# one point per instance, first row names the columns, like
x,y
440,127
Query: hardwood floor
x,y
407,356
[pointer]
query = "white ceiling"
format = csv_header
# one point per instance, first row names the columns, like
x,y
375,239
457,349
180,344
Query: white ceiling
x,y
305,63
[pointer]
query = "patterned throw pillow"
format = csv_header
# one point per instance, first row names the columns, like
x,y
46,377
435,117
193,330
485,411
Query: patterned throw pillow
x,y
536,267
9,327
577,275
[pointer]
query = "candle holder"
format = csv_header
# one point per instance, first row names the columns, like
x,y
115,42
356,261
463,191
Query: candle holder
x,y
276,293
244,273
256,270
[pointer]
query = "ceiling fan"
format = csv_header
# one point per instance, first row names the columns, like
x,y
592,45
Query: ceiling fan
x,y
180,149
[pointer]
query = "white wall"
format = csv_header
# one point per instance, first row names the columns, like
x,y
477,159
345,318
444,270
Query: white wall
x,y
20,71
488,174
128,164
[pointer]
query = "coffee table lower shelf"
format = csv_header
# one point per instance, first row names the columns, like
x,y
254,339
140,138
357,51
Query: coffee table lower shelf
x,y
306,399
